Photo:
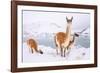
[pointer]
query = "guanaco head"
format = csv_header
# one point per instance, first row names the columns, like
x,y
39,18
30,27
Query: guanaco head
x,y
40,51
76,34
69,20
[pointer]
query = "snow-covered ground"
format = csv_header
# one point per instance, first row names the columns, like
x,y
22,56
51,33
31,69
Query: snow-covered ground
x,y
49,54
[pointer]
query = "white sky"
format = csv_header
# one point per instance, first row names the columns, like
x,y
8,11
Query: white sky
x,y
39,21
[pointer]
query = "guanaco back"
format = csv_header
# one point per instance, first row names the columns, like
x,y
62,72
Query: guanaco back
x,y
33,46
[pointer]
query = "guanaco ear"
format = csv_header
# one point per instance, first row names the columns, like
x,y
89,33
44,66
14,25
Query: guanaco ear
x,y
66,18
72,18
76,34
69,19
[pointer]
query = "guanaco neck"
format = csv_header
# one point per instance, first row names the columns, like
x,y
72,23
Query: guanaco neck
x,y
68,29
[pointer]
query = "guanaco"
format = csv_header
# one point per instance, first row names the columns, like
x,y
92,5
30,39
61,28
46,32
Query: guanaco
x,y
33,46
72,41
62,39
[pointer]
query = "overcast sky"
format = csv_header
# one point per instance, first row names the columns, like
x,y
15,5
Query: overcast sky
x,y
39,21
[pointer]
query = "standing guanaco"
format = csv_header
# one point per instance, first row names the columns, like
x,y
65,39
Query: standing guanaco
x,y
33,46
62,39
72,42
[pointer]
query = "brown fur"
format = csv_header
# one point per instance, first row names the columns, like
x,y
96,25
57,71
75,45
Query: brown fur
x,y
61,37
33,45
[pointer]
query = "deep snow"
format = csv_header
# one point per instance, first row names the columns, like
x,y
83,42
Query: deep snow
x,y
50,55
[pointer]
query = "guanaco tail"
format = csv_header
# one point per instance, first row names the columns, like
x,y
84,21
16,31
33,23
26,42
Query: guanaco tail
x,y
33,46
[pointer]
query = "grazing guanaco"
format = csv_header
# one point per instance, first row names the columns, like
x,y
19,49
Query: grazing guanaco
x,y
62,39
33,46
